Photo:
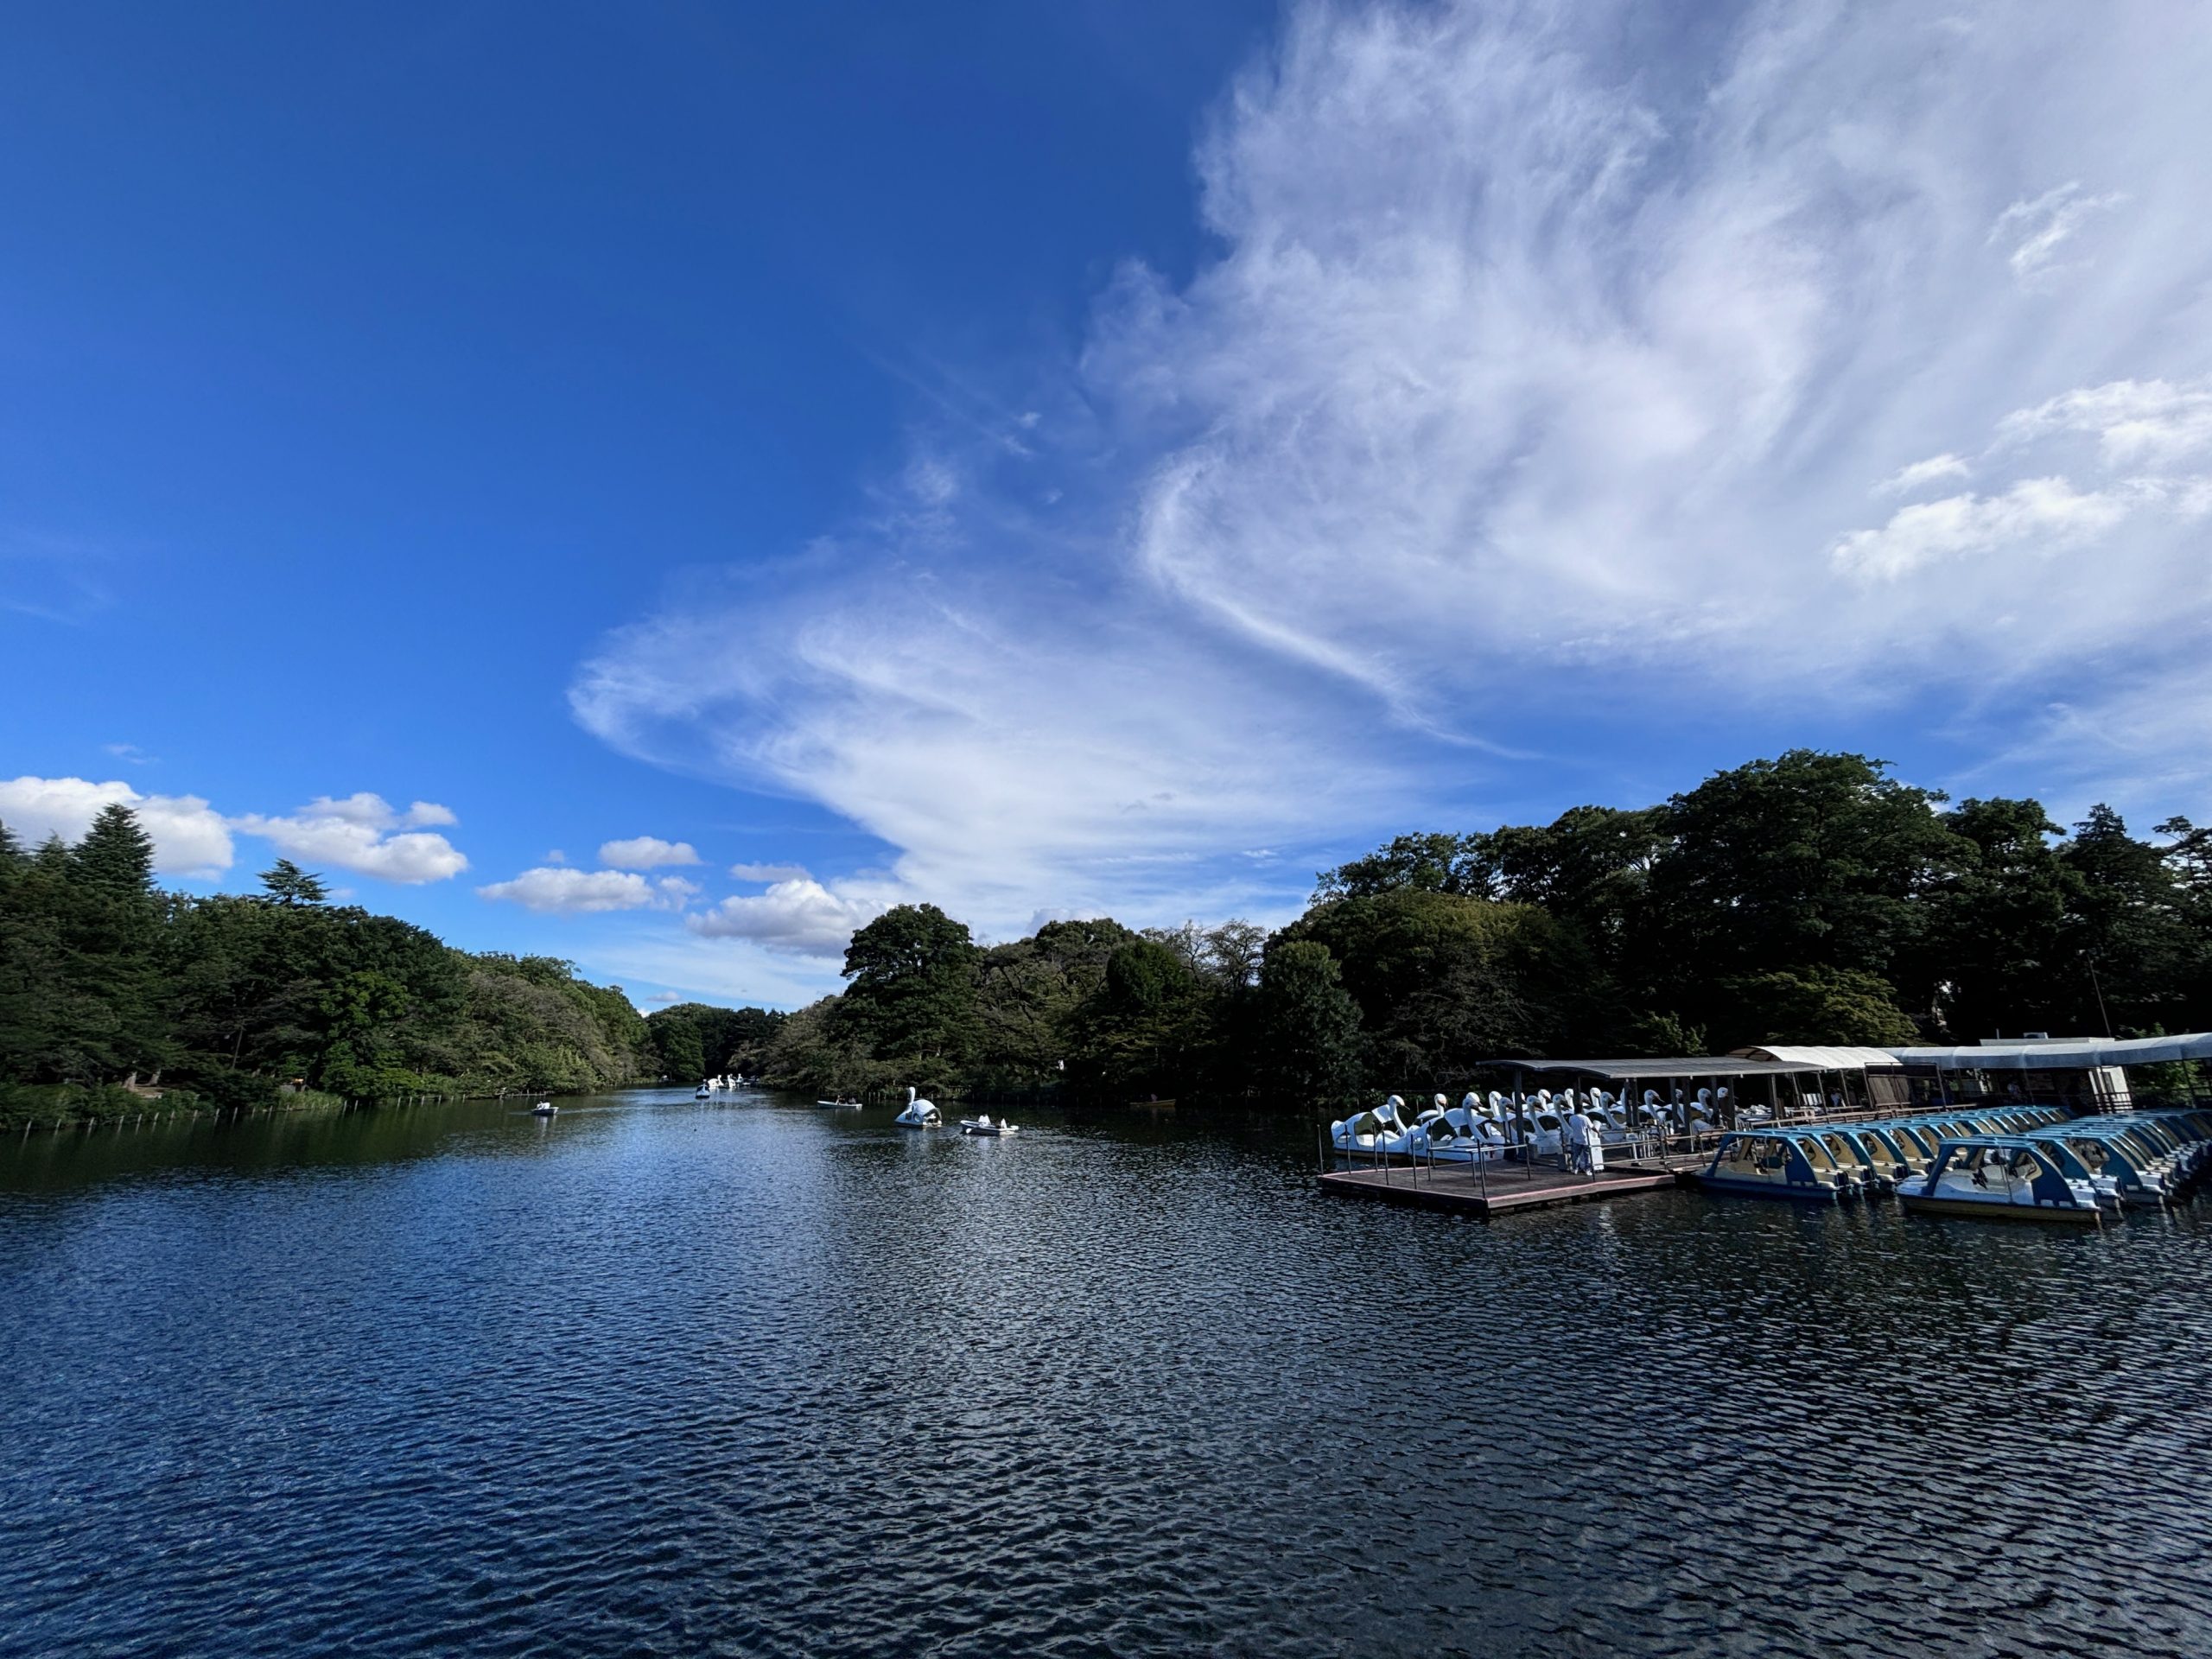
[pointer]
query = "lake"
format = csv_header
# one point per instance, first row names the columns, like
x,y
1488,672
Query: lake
x,y
661,1377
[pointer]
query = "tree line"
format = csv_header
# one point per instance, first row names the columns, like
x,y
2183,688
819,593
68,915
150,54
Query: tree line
x,y
1810,898
242,1001
1813,899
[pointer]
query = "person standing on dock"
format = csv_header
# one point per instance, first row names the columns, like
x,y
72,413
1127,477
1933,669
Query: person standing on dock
x,y
1580,1130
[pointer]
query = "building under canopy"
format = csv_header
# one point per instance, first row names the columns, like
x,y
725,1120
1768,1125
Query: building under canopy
x,y
1793,1081
2086,1071
1820,1059
1799,1080
2062,1053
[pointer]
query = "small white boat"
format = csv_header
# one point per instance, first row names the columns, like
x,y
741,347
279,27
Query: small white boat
x,y
543,1109
918,1115
840,1104
984,1126
703,1093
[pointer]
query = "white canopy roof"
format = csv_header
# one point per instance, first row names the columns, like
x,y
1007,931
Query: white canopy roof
x,y
2066,1054
1818,1059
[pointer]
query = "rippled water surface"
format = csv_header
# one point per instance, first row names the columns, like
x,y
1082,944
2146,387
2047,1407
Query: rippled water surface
x,y
657,1377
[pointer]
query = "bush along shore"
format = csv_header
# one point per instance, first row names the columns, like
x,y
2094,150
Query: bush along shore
x,y
1810,898
119,1001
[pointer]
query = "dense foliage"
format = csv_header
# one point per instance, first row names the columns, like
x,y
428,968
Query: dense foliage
x,y
1813,898
230,1001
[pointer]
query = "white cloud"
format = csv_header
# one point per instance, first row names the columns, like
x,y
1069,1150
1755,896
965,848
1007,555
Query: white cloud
x,y
769,872
2130,735
1536,387
1934,470
646,853
375,812
2135,423
190,838
2037,228
734,972
2047,514
564,891
364,834
799,916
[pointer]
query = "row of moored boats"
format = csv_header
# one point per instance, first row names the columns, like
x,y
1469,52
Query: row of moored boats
x,y
1490,1129
2005,1160
2026,1162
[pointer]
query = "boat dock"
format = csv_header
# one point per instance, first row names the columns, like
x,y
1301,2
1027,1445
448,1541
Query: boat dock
x,y
1484,1192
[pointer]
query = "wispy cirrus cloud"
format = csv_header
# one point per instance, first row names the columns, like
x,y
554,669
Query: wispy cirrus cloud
x,y
2135,423
1538,382
2036,230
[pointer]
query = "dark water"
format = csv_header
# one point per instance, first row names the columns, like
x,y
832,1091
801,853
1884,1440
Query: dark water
x,y
657,1378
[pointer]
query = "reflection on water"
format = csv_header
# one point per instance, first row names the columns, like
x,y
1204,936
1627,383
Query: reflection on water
x,y
660,1377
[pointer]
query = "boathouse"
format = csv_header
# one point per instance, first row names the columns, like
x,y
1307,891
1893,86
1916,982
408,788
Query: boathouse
x,y
2087,1074
1790,1082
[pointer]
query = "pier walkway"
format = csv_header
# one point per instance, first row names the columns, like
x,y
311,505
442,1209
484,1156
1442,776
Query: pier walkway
x,y
1493,1190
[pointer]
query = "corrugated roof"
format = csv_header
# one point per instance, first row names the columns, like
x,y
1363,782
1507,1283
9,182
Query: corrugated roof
x,y
1690,1065
2067,1054
1822,1059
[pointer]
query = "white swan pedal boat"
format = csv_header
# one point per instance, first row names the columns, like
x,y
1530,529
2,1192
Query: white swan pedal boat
x,y
1382,1131
918,1115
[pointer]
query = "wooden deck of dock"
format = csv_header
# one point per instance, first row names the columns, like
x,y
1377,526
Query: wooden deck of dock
x,y
1497,1189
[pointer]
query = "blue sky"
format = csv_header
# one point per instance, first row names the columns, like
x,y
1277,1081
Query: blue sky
x,y
1056,459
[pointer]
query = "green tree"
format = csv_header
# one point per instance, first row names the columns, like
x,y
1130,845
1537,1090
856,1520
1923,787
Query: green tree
x,y
1809,860
39,1003
110,921
1814,1005
912,991
695,1040
1592,865
811,1049
1997,953
288,883
1146,1030
1430,862
2130,927
1444,980
1028,996
1305,1038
